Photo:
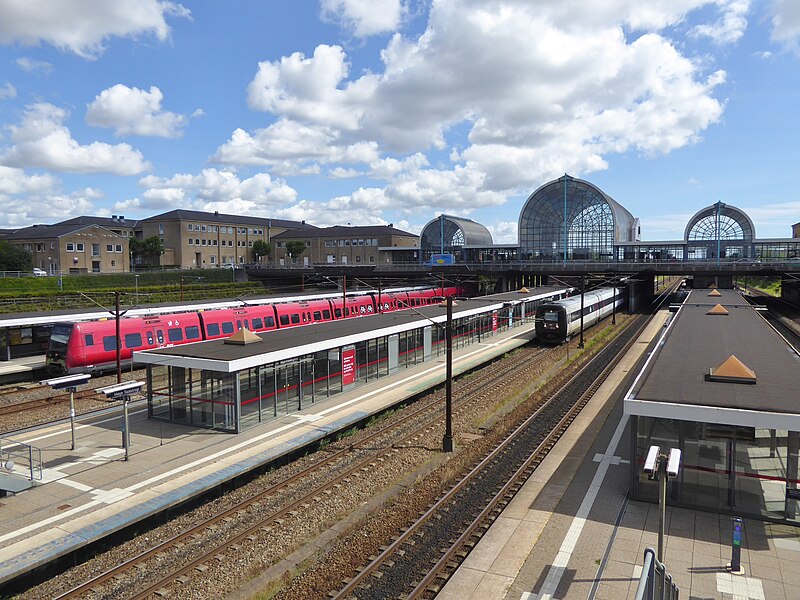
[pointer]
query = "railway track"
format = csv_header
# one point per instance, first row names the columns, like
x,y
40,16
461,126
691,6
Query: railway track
x,y
415,421
419,570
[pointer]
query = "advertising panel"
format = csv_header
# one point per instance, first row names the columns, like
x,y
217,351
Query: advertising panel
x,y
348,365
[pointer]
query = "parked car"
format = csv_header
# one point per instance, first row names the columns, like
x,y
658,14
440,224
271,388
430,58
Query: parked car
x,y
37,272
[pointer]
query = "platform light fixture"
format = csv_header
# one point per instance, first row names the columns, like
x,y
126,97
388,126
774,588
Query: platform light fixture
x,y
662,466
69,383
123,391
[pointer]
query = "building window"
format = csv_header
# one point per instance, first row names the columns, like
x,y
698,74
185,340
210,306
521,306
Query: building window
x,y
190,226
230,229
371,258
161,228
95,249
79,247
202,227
358,259
250,244
196,241
109,247
113,263
52,245
118,248
213,259
214,242
191,241
308,244
70,247
204,241
250,231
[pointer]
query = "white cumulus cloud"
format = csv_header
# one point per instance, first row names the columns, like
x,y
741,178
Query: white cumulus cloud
x,y
131,111
42,140
214,189
365,17
786,23
81,26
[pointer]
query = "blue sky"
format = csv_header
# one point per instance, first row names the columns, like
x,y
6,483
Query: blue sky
x,y
393,111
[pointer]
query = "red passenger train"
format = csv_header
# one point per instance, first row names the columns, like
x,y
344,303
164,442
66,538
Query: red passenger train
x,y
91,345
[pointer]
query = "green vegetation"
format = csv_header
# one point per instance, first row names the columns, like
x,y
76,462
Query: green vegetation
x,y
14,259
295,248
768,285
149,250
43,293
261,249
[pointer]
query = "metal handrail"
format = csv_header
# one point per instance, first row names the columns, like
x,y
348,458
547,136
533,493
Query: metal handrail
x,y
22,453
655,583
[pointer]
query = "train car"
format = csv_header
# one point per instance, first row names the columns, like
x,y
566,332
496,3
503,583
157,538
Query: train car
x,y
359,306
557,322
92,346
222,323
308,313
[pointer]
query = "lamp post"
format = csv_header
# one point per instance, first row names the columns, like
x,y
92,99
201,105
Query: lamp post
x,y
661,466
69,383
123,392
583,287
447,440
136,280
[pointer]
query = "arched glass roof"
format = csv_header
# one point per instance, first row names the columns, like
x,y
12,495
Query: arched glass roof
x,y
573,217
456,232
720,221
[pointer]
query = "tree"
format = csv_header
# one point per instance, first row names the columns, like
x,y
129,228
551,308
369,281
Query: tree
x,y
149,250
261,248
13,258
295,248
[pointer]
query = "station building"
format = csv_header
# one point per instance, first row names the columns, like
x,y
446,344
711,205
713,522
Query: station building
x,y
237,383
721,386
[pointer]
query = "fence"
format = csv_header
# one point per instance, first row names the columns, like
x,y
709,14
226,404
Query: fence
x,y
25,458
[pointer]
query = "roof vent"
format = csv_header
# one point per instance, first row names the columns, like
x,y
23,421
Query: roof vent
x,y
121,218
715,293
732,371
243,337
718,310
523,290
113,217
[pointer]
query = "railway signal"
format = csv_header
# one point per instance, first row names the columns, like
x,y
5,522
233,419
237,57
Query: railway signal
x,y
69,383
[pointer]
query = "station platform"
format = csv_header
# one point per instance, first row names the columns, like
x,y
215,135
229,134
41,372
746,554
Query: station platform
x,y
21,369
571,532
91,492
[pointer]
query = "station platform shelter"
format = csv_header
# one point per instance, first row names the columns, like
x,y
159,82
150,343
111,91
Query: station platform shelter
x,y
722,386
238,383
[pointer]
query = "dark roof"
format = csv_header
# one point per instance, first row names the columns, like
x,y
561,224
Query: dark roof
x,y
697,342
107,222
347,231
198,215
295,341
5,232
42,232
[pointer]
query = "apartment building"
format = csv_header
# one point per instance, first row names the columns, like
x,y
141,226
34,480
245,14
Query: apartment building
x,y
73,248
197,239
362,245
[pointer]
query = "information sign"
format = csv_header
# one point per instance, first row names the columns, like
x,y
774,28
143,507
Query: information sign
x,y
348,366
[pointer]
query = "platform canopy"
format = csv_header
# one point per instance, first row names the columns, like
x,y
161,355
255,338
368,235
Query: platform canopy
x,y
572,219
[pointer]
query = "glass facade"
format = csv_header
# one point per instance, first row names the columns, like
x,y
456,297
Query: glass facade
x,y
719,231
570,219
236,401
449,235
744,471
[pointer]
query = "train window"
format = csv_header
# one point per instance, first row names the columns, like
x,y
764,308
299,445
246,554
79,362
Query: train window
x,y
284,319
305,317
346,312
295,319
238,325
270,322
326,314
227,327
133,340
175,334
213,329
338,313
192,332
160,336
317,315
551,316
246,324
88,339
369,309
150,339
257,323
109,342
